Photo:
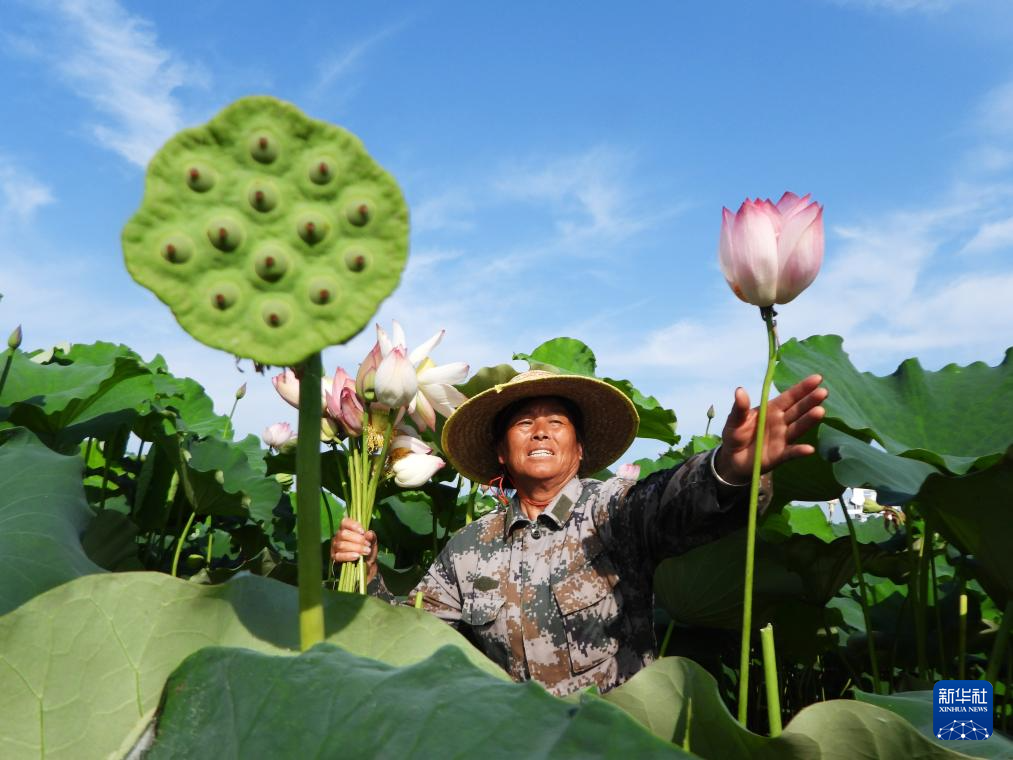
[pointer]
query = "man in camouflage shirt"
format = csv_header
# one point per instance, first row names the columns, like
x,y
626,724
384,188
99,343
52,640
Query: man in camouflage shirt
x,y
559,589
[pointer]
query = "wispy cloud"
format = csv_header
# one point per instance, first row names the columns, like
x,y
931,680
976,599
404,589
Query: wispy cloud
x,y
588,194
21,193
990,237
337,67
112,59
903,6
450,211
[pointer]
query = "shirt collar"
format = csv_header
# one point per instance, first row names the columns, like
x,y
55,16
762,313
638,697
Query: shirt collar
x,y
555,514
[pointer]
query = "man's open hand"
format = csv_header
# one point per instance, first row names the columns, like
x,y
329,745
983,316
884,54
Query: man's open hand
x,y
789,416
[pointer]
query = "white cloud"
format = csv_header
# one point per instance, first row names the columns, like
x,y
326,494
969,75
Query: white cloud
x,y
113,60
589,194
903,6
995,113
450,211
21,193
335,68
990,237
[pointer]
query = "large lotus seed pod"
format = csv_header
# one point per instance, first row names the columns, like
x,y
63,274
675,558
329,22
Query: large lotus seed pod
x,y
270,235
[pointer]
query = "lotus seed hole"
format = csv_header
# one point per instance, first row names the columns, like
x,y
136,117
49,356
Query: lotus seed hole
x,y
275,313
358,213
356,259
312,227
177,249
199,178
263,148
269,262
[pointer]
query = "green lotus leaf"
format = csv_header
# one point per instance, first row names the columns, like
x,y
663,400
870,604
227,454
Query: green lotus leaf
x,y
243,704
42,513
956,418
82,664
268,234
679,701
916,707
973,510
704,587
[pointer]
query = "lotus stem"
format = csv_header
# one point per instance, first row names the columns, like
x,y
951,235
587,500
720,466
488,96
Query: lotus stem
x,y
770,677
962,635
668,638
935,602
999,645
921,604
1007,687
227,433
7,369
179,544
211,540
307,473
689,722
863,597
767,312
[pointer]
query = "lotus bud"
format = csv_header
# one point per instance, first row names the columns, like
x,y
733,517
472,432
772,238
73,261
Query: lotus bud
x,y
413,470
710,412
277,435
396,384
14,341
330,431
287,385
240,391
366,376
628,471
769,253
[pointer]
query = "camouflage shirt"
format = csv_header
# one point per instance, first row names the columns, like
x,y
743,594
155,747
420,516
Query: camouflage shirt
x,y
568,600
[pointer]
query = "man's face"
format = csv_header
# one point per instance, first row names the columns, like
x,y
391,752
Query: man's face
x,y
540,446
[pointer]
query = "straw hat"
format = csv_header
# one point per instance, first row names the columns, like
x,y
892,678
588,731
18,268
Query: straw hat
x,y
610,421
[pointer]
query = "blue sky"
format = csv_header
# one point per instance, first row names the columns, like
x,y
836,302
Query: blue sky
x,y
565,164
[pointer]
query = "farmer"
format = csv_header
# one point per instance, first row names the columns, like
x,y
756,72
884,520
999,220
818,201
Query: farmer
x,y
556,585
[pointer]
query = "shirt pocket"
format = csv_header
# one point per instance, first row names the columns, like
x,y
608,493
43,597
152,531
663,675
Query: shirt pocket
x,y
590,610
480,609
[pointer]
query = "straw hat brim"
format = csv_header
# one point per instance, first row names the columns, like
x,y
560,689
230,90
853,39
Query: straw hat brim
x,y
610,422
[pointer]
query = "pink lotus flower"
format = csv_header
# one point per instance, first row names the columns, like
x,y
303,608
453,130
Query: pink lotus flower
x,y
628,471
770,253
412,470
342,403
277,435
